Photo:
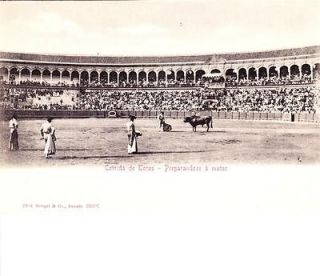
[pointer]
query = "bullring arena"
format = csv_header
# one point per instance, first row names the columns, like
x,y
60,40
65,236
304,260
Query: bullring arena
x,y
264,105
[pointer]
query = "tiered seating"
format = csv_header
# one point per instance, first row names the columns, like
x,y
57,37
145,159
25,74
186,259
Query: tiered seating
x,y
248,99
38,98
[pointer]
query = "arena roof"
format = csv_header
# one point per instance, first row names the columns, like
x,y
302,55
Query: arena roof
x,y
25,57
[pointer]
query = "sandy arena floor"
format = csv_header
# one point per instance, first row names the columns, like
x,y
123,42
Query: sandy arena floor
x,y
103,142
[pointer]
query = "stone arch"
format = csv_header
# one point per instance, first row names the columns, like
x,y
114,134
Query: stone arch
x,y
25,73
152,76
36,75
306,69
14,74
262,72
142,76
231,74
215,71
113,77
84,76
46,75
94,76
252,73
75,76
162,75
199,74
123,76
36,72
242,73
189,75
56,76
273,72
294,70
284,71
180,75
133,76
104,77
4,73
170,75
65,76
14,71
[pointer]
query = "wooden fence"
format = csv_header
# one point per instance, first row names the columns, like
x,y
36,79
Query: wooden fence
x,y
5,114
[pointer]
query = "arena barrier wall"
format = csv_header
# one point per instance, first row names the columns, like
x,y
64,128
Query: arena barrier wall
x,y
41,114
5,114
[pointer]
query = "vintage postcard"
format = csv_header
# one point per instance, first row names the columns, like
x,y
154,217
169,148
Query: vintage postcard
x,y
160,137
118,84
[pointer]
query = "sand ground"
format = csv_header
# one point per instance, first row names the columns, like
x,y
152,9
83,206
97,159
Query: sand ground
x,y
101,142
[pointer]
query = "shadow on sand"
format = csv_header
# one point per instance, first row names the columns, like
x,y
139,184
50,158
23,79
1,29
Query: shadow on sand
x,y
198,131
59,149
168,152
174,131
124,156
91,157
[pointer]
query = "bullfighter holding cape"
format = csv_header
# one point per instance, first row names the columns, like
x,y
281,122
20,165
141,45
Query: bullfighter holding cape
x,y
48,134
132,136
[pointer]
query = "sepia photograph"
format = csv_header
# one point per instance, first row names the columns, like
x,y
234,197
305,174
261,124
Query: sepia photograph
x,y
176,83
160,138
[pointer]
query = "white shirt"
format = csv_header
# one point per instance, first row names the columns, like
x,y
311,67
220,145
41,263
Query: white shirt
x,y
130,127
13,124
46,127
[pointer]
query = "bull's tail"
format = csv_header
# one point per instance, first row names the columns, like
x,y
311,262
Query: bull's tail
x,y
211,122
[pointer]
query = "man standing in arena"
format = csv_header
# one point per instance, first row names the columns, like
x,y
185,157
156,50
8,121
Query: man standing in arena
x,y
13,140
47,132
132,136
161,119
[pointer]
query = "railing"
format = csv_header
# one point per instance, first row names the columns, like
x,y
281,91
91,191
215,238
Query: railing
x,y
5,114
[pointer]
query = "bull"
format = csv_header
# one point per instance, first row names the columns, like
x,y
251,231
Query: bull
x,y
195,121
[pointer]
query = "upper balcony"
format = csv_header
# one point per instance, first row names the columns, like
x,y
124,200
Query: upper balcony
x,y
156,60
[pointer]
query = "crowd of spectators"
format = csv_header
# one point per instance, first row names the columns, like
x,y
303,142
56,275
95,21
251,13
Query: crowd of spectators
x,y
142,99
272,81
143,83
43,83
300,99
236,99
37,98
243,99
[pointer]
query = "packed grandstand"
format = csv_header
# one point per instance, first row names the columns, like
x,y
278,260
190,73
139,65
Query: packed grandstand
x,y
272,81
